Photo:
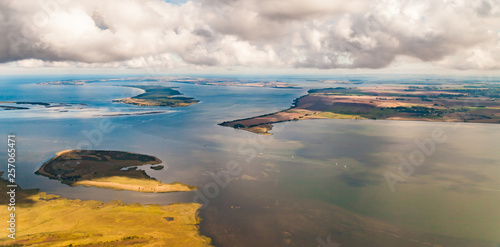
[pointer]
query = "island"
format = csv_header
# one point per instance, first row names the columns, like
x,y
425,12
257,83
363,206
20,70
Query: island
x,y
234,82
154,95
107,169
48,220
476,103
81,82
25,105
341,82
11,107
181,79
6,107
157,167
158,96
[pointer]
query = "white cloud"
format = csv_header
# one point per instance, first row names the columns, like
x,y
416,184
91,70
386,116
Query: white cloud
x,y
250,33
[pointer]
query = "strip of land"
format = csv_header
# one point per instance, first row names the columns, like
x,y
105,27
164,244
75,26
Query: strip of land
x,y
233,82
6,107
107,169
132,114
26,103
11,107
158,96
188,80
457,103
140,185
50,220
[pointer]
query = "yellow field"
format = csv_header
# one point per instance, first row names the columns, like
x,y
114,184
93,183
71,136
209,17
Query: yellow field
x,y
133,184
331,115
49,220
55,221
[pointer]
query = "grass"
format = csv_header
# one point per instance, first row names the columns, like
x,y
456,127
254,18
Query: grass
x,y
331,115
429,104
260,129
133,184
386,112
49,220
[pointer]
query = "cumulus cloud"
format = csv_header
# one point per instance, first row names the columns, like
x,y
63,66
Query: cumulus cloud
x,y
322,34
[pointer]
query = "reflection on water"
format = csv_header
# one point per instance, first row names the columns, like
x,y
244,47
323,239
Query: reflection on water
x,y
312,180
451,200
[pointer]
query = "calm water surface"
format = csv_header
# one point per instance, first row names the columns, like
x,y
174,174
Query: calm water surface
x,y
312,183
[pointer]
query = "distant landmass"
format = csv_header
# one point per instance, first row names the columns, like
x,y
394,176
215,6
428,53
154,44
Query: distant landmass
x,y
25,104
233,82
188,80
458,103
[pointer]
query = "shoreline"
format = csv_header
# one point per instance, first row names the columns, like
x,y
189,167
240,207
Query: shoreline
x,y
72,167
379,103
44,219
157,96
144,186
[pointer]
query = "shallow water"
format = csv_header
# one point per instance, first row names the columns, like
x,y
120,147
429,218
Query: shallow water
x,y
312,182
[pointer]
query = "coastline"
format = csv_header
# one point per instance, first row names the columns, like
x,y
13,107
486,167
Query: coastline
x,y
49,220
157,96
145,186
409,103
73,167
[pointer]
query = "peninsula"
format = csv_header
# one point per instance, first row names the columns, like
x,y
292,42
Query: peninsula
x,y
478,103
107,169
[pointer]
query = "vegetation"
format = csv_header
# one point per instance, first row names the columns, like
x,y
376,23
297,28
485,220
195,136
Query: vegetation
x,y
381,113
478,103
158,96
49,220
157,167
340,91
106,169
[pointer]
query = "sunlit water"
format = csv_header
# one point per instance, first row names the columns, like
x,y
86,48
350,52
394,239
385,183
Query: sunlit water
x,y
312,183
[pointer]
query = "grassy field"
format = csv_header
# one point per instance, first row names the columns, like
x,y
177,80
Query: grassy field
x,y
477,103
331,115
49,220
263,124
133,184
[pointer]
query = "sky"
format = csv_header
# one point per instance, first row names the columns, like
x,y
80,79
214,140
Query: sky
x,y
250,36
